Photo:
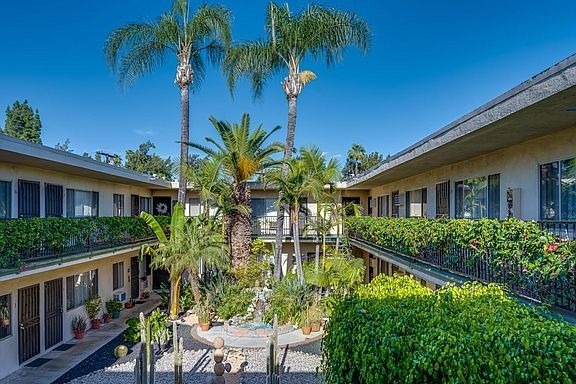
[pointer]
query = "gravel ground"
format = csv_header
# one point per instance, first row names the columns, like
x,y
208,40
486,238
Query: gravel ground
x,y
298,365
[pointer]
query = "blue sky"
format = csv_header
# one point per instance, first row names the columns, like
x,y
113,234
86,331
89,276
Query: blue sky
x,y
429,64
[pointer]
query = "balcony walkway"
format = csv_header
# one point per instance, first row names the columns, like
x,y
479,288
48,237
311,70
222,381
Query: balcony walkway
x,y
60,362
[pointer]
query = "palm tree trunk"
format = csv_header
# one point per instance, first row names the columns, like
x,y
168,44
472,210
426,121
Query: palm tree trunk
x,y
297,253
175,297
184,138
241,231
288,149
195,284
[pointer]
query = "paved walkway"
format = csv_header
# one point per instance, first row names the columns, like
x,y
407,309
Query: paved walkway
x,y
293,338
61,362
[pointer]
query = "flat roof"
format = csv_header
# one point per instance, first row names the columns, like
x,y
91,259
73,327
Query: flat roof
x,y
541,105
21,152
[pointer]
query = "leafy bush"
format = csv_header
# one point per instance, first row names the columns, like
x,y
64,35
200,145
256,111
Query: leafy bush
x,y
132,333
228,297
288,299
258,267
396,331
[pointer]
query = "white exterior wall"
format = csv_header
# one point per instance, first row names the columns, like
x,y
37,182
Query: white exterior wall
x,y
11,283
517,165
105,189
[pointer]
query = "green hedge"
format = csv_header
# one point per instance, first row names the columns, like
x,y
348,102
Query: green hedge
x,y
510,241
53,235
396,331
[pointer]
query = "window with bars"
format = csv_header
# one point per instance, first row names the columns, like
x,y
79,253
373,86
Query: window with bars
x,y
80,288
5,316
54,197
118,205
5,199
383,206
28,198
395,196
118,275
443,199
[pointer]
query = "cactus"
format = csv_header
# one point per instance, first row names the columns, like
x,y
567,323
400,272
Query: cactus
x,y
178,354
145,362
272,363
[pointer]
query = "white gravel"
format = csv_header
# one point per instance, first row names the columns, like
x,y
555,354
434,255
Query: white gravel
x,y
297,368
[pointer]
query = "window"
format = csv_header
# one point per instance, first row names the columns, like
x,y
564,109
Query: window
x,y
5,316
262,207
395,203
196,207
80,287
558,190
5,201
54,196
417,203
117,205
117,275
369,205
146,204
28,198
479,197
383,204
443,199
81,203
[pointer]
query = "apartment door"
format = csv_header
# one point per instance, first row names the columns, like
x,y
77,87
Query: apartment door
x,y
134,278
52,312
28,322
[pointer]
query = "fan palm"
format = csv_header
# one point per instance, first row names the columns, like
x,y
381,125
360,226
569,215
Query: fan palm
x,y
316,31
137,49
307,175
357,155
190,241
242,153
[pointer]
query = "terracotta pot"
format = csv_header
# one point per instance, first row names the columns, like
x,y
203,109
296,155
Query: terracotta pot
x,y
107,318
79,334
306,330
315,326
204,326
95,323
5,322
128,305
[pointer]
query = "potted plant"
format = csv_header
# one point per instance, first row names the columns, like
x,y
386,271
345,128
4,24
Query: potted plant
x,y
204,313
305,323
315,317
93,306
114,307
129,304
107,317
79,326
4,316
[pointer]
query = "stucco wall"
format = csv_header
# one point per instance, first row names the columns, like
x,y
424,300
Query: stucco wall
x,y
517,165
12,283
13,173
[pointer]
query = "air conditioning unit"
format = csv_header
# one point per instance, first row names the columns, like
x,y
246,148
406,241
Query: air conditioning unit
x,y
120,296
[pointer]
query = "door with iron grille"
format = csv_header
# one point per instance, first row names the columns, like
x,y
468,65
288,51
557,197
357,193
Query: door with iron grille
x,y
29,322
52,312
134,278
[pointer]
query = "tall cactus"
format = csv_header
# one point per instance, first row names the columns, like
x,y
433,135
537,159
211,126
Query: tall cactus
x,y
178,354
144,368
272,363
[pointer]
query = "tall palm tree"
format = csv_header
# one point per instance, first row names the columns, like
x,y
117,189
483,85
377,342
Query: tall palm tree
x,y
137,49
317,31
190,241
242,153
308,175
357,155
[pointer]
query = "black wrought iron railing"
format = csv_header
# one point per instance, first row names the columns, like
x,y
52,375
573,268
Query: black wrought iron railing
x,y
26,241
555,289
266,226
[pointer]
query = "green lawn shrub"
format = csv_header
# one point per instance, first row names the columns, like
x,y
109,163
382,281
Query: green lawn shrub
x,y
393,330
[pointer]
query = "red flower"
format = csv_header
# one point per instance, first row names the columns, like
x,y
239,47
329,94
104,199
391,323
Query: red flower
x,y
551,247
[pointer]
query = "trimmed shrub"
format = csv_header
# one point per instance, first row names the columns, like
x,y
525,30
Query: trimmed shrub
x,y
393,330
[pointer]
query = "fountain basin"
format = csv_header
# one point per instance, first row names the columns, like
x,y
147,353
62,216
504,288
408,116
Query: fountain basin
x,y
255,329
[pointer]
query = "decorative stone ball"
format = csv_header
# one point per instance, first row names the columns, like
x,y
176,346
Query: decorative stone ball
x,y
218,342
219,369
121,351
218,355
